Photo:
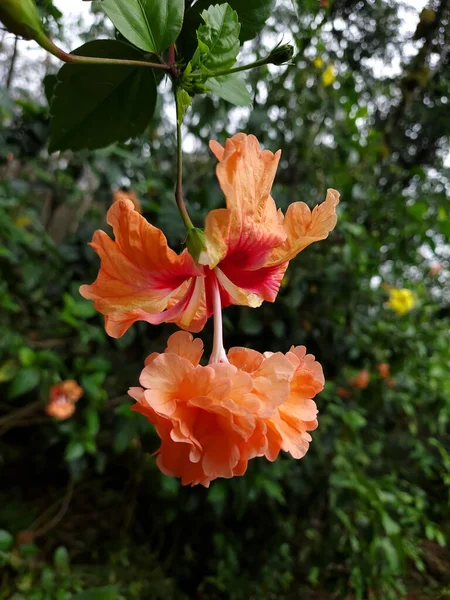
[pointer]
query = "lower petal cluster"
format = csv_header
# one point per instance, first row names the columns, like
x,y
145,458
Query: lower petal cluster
x,y
213,419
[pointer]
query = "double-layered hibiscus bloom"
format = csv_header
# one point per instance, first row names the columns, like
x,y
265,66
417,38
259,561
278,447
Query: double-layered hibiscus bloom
x,y
248,246
213,419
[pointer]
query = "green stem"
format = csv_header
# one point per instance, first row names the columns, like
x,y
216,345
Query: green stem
x,y
179,188
51,47
258,63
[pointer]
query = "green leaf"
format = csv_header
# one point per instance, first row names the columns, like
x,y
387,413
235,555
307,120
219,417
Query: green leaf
x,y
252,15
231,88
8,369
418,210
50,82
27,356
61,559
74,450
184,101
96,105
104,593
6,540
148,24
25,381
218,39
390,526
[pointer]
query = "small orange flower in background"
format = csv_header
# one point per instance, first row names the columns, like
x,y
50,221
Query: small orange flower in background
x,y
63,397
343,392
435,270
248,246
213,419
361,380
384,370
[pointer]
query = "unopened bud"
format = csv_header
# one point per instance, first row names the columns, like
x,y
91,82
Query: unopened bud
x,y
195,242
21,17
281,55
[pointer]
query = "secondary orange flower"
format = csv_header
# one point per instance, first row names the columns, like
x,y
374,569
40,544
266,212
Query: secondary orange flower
x,y
63,397
343,392
213,419
384,370
361,380
248,246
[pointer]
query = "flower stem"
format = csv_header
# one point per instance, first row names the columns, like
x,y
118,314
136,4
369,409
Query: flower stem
x,y
258,63
51,47
218,354
179,188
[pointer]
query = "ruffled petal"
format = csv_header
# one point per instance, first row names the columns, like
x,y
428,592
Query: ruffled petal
x,y
183,344
242,236
303,227
139,273
165,373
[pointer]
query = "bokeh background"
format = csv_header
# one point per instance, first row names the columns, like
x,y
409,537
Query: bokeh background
x,y
84,512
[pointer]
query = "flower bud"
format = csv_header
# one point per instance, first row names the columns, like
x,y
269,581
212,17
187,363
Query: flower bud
x,y
21,17
195,242
281,55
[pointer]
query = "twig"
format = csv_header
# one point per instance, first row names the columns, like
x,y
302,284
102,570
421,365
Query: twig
x,y
12,65
59,515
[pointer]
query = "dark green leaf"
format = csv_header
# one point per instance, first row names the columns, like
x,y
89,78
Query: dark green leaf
x,y
96,105
231,88
148,24
25,381
104,593
50,82
74,450
6,540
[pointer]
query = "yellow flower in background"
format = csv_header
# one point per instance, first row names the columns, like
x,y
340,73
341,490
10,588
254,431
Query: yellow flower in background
x,y
401,301
318,62
22,221
328,76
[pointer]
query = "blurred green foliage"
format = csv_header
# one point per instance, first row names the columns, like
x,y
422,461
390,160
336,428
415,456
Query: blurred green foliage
x,y
84,512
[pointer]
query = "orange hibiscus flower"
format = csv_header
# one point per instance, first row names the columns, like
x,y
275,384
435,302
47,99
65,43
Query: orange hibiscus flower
x,y
63,397
361,379
248,246
213,419
384,370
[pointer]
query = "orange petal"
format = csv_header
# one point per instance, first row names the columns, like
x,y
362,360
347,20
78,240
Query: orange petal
x,y
165,373
244,358
272,383
139,273
183,344
249,226
303,227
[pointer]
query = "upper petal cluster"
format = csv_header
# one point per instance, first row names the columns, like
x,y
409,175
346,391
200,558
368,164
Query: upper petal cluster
x,y
213,419
248,247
